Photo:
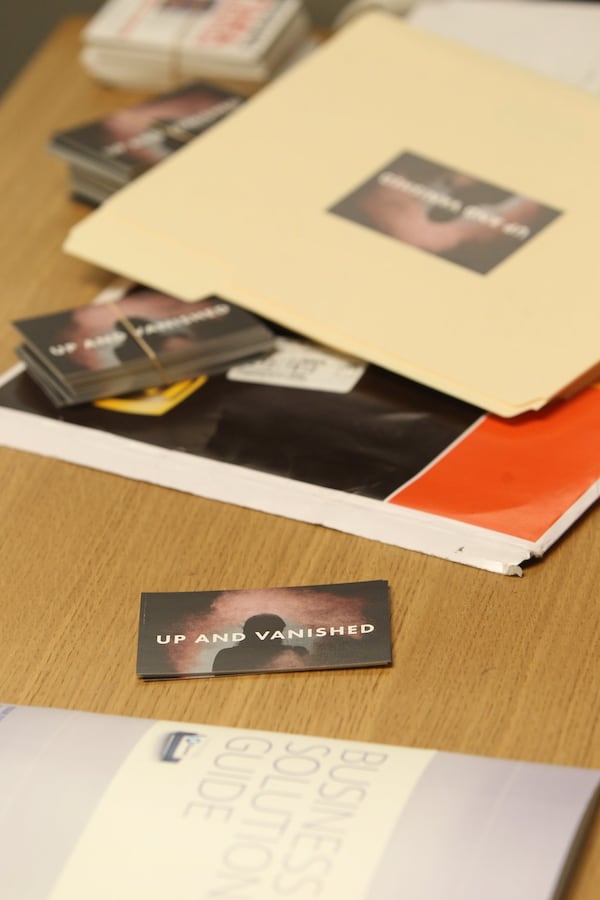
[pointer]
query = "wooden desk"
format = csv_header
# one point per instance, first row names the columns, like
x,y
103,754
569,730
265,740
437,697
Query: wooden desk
x,y
482,663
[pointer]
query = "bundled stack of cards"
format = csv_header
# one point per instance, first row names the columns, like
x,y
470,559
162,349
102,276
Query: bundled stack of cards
x,y
140,340
157,44
106,154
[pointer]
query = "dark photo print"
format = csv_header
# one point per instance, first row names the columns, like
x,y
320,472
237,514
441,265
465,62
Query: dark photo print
x,y
448,213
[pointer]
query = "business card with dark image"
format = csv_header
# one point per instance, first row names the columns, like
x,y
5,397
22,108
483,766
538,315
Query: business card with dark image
x,y
203,633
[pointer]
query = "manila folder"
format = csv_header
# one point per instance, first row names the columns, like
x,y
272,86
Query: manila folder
x,y
398,197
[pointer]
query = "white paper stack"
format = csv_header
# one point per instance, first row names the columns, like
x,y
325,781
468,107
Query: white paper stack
x,y
558,39
134,802
157,44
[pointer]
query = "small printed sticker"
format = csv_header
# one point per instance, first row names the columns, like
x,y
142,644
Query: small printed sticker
x,y
295,364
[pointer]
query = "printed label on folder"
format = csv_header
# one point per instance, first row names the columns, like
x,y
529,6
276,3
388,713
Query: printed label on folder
x,y
430,206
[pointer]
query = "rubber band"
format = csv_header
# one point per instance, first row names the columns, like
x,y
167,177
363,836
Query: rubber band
x,y
142,344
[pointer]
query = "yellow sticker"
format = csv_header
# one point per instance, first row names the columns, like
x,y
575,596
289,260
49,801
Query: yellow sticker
x,y
154,401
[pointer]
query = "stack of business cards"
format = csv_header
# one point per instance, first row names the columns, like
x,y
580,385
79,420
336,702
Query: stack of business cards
x,y
201,633
106,154
140,340
156,44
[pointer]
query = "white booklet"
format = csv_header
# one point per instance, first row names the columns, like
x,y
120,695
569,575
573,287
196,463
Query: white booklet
x,y
98,806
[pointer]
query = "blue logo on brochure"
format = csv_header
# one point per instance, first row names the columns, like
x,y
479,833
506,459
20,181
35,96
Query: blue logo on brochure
x,y
180,745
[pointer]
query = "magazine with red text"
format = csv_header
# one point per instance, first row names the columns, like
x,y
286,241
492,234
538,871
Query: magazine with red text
x,y
318,436
312,436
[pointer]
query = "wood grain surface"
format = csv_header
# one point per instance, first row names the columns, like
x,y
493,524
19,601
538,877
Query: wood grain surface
x,y
482,663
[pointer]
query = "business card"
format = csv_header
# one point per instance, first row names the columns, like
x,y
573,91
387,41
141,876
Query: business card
x,y
204,633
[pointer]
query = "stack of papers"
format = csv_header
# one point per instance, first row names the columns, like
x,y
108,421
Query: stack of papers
x,y
106,154
157,44
138,341
442,232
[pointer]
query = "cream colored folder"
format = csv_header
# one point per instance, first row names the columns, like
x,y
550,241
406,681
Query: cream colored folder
x,y
396,196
